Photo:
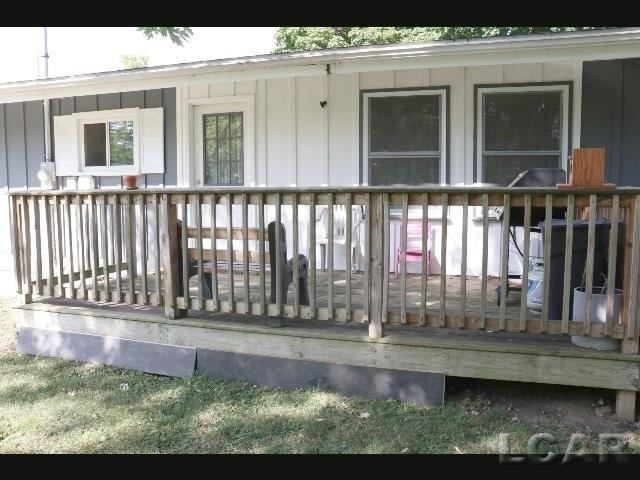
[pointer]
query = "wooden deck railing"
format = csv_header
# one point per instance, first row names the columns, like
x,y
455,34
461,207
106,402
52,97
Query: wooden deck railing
x,y
124,246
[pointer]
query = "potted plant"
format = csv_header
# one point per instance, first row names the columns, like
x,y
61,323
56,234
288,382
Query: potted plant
x,y
598,314
130,182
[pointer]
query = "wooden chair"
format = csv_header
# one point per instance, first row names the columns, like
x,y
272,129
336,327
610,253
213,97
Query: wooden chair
x,y
339,230
238,262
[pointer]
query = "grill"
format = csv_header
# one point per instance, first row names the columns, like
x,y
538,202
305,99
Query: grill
x,y
534,177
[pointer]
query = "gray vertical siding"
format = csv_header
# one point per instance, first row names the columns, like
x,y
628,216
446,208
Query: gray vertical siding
x,y
21,144
611,116
165,97
21,152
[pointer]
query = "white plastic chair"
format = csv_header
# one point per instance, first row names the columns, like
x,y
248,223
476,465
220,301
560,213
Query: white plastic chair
x,y
339,230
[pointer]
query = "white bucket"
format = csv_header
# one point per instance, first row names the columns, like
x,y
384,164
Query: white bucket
x,y
598,315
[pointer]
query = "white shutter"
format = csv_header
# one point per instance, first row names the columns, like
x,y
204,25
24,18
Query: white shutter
x,y
152,140
66,145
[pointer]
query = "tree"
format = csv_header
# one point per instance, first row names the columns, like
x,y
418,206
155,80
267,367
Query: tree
x,y
134,61
290,39
178,35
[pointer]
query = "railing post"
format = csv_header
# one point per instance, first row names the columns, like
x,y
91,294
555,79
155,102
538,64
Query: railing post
x,y
626,399
376,260
16,240
170,256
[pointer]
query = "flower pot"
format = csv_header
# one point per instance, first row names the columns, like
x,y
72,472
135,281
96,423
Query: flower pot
x,y
598,315
130,182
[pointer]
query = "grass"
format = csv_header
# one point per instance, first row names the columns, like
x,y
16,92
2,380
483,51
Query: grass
x,y
51,405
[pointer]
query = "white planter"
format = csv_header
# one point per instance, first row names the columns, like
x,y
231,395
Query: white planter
x,y
598,315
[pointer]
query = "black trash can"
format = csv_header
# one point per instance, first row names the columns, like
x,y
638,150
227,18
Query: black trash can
x,y
578,259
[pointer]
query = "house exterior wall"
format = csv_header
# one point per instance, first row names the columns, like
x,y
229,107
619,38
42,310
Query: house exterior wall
x,y
165,97
611,116
21,151
298,142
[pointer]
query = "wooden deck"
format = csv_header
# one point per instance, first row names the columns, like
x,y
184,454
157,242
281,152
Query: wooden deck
x,y
489,355
453,304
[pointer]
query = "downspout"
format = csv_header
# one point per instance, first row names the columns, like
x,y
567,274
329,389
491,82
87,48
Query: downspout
x,y
47,173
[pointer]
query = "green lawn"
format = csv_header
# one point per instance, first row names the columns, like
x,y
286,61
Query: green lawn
x,y
51,405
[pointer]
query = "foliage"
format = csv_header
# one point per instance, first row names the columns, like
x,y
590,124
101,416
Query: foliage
x,y
121,143
134,61
290,39
178,35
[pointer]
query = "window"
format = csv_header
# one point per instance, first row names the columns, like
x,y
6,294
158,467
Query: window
x,y
126,141
404,138
108,143
223,149
221,141
521,128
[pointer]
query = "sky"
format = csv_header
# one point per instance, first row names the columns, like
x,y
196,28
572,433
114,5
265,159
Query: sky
x,y
77,50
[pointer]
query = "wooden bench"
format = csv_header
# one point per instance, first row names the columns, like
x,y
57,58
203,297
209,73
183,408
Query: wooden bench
x,y
238,257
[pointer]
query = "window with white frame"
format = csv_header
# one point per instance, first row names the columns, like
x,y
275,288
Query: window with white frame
x,y
126,141
404,137
520,128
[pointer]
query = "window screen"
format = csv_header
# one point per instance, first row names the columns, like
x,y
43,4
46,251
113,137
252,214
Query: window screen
x,y
521,130
223,149
404,139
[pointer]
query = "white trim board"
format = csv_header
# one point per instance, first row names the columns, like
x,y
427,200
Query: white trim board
x,y
189,173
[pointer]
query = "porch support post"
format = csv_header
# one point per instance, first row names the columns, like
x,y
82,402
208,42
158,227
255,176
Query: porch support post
x,y
170,256
626,399
376,261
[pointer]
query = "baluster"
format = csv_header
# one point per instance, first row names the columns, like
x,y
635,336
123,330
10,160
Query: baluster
x,y
67,211
403,259
312,255
50,249
143,250
504,261
199,241
245,254
105,248
547,261
485,256
156,239
261,253
612,260
348,254
425,259
525,262
384,228
37,233
463,263
296,260
443,260
591,244
59,233
330,238
230,252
